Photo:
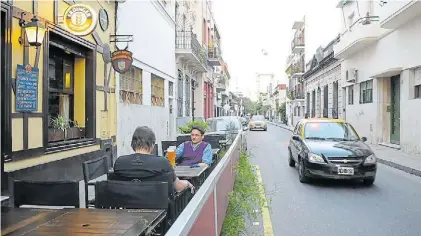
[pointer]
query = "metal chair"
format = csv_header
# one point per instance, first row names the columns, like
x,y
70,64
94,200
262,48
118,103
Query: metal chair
x,y
93,169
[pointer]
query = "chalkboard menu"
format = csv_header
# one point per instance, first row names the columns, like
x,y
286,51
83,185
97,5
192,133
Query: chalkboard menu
x,y
26,88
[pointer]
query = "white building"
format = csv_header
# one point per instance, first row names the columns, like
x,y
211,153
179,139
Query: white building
x,y
381,52
295,70
322,83
146,91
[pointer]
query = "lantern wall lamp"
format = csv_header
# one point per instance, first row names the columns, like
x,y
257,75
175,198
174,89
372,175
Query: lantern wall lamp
x,y
34,31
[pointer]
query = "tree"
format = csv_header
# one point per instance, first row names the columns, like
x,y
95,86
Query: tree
x,y
282,111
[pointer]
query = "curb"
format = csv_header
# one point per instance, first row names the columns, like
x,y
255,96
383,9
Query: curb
x,y
395,165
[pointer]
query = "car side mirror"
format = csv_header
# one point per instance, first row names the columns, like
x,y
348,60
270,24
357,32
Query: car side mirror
x,y
364,139
296,137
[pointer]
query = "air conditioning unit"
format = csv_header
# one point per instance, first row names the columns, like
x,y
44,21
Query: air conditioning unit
x,y
351,75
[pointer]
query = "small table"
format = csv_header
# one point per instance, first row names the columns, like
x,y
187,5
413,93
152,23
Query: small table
x,y
30,221
196,175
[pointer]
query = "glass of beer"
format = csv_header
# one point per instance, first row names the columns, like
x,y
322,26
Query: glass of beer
x,y
171,155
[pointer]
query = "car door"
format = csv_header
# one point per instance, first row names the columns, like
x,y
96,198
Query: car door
x,y
293,143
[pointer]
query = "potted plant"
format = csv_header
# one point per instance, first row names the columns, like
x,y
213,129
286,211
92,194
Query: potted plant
x,y
75,132
187,129
58,131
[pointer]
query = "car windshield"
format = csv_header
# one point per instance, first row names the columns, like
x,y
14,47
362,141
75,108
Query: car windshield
x,y
223,124
330,131
258,118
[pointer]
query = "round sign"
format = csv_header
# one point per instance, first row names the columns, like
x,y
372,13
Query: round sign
x,y
106,53
80,19
103,19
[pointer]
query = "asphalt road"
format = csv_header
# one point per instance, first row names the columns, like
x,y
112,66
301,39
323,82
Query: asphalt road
x,y
392,206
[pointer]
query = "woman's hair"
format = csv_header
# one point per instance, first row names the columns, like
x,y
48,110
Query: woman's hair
x,y
143,138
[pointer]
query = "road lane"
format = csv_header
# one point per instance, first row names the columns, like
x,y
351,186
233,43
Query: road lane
x,y
392,206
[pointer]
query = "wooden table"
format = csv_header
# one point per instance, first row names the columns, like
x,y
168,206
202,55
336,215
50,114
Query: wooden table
x,y
30,221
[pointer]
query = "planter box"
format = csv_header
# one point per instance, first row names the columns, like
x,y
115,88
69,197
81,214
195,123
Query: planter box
x,y
75,133
55,135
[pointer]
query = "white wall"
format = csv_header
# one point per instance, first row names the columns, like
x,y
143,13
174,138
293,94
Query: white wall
x,y
400,48
153,50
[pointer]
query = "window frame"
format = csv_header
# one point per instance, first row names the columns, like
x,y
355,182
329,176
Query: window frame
x,y
154,91
128,93
366,92
351,95
417,91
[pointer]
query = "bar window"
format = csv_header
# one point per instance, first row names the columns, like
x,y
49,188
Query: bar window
x,y
418,91
366,91
351,95
157,91
131,91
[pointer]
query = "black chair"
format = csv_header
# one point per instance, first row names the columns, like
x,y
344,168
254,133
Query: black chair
x,y
155,149
133,195
213,140
166,144
91,170
46,193
183,138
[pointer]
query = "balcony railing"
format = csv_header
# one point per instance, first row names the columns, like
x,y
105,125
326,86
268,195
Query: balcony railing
x,y
297,42
187,40
298,67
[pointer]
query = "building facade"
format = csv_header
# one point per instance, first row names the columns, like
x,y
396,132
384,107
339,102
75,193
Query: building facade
x,y
322,81
381,70
295,70
149,86
67,114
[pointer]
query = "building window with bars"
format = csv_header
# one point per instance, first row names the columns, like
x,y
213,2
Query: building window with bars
x,y
366,91
157,91
131,86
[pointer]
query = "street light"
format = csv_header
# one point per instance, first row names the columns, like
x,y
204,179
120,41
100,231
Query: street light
x,y
34,31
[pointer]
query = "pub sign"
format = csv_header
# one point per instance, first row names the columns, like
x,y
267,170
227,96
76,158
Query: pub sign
x,y
122,60
26,88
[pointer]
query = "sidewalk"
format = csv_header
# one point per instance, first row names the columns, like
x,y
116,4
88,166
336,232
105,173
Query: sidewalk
x,y
387,156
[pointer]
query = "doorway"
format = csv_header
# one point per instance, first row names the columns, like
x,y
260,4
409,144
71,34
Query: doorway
x,y
395,118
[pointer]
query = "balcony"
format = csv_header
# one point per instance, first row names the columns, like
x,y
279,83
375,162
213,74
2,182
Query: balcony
x,y
298,68
188,48
364,32
297,44
298,24
394,14
214,54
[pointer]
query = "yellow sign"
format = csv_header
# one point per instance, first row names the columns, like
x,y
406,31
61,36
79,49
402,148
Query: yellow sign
x,y
80,19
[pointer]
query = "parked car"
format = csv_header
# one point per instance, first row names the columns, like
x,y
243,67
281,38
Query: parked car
x,y
228,126
331,148
258,122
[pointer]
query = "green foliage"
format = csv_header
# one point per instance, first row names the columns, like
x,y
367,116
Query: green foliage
x,y
282,110
187,129
244,198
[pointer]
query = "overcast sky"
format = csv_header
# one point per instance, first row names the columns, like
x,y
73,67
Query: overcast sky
x,y
247,27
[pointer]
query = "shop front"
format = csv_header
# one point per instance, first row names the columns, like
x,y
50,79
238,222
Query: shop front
x,y
58,107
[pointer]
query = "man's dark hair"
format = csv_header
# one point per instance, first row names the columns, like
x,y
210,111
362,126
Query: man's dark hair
x,y
199,128
143,138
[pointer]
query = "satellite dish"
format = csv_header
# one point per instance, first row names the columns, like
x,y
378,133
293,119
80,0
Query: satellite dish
x,y
106,54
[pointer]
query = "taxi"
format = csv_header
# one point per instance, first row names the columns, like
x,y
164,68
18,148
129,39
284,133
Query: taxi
x,y
330,148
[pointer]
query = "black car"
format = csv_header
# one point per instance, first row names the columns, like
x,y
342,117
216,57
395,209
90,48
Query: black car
x,y
326,148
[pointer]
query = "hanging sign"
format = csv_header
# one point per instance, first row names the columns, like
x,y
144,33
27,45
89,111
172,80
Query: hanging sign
x,y
121,60
80,19
26,88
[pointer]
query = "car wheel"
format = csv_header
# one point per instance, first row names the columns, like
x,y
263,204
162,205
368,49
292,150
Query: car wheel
x,y
369,181
301,172
266,129
291,161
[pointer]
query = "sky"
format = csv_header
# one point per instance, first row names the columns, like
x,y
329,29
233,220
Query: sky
x,y
247,27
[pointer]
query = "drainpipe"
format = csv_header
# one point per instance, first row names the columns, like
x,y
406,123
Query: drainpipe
x,y
193,87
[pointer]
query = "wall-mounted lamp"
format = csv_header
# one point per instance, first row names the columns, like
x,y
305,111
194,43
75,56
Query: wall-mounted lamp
x,y
34,31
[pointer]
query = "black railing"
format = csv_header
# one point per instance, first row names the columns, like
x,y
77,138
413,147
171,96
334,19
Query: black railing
x,y
214,52
298,67
188,40
297,42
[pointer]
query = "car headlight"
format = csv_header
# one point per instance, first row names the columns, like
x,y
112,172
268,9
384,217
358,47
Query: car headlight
x,y
314,158
370,160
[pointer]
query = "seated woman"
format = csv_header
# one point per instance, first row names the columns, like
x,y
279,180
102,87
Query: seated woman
x,y
144,165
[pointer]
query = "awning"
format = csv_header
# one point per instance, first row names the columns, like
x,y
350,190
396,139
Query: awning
x,y
388,73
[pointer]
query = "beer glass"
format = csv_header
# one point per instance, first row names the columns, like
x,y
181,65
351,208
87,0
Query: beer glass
x,y
171,155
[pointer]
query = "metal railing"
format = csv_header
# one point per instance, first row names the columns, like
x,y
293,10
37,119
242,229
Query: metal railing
x,y
298,67
214,50
188,40
297,42
366,20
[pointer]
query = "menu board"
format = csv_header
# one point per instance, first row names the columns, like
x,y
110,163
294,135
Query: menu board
x,y
26,88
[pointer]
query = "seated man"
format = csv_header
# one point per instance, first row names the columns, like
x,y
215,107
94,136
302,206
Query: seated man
x,y
195,151
144,165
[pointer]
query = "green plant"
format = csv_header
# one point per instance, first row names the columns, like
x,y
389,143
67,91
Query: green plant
x,y
282,110
60,122
187,128
245,196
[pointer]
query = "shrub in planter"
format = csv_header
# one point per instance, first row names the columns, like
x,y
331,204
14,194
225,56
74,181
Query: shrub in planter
x,y
187,129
